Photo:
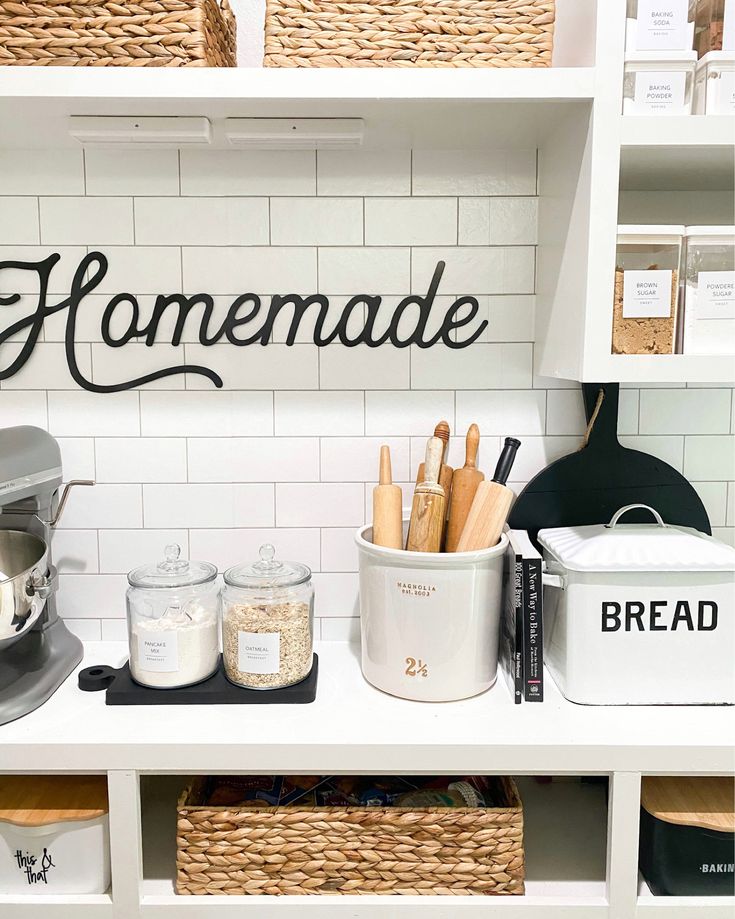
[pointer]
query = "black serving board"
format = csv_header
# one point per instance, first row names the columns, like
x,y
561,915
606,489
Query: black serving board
x,y
121,689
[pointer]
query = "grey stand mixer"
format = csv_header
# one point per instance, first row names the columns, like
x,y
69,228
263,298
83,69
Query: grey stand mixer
x,y
37,651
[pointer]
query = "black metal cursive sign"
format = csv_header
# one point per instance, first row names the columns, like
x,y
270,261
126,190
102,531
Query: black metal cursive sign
x,y
93,268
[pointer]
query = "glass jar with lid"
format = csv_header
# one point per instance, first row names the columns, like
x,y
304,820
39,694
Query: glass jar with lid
x,y
267,622
173,621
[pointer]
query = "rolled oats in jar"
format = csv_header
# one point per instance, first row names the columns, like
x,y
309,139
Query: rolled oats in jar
x,y
267,622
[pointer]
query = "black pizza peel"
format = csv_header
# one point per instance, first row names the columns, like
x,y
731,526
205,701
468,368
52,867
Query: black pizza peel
x,y
590,485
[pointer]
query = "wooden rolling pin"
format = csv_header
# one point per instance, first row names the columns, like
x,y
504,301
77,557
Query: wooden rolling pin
x,y
491,505
387,503
428,512
465,482
445,475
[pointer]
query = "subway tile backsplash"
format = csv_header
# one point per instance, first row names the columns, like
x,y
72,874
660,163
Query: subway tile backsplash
x,y
286,452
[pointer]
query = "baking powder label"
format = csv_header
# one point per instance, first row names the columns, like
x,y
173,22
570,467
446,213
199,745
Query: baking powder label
x,y
647,294
663,26
660,92
259,652
159,653
716,295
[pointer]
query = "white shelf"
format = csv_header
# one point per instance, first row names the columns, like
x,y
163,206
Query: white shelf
x,y
56,907
665,368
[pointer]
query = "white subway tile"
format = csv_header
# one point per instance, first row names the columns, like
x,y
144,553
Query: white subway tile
x,y
498,221
256,367
714,498
92,596
41,172
339,628
405,413
724,534
730,512
93,221
362,367
685,411
21,312
407,490
339,551
131,172
509,318
255,269
201,221
114,366
565,412
668,448
142,270
709,458
46,367
356,459
319,413
75,551
364,271
364,172
306,328
84,629
503,412
80,414
477,270
336,595
490,366
248,172
317,504
237,546
18,407
21,281
114,630
253,459
103,506
19,221
411,222
474,172
77,457
316,221
141,459
225,505
206,414
123,550
411,316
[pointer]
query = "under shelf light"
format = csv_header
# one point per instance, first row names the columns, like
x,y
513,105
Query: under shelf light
x,y
154,131
294,133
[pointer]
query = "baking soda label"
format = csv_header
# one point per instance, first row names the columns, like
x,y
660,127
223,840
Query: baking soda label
x,y
663,26
647,294
259,652
660,92
159,653
716,295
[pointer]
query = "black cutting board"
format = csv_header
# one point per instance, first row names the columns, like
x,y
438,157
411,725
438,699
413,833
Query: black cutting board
x,y
590,485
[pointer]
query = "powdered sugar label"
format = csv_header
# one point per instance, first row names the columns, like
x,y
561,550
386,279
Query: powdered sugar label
x,y
647,294
159,653
660,92
663,26
259,652
716,295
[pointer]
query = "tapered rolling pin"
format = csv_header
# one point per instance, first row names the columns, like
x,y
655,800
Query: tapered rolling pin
x,y
465,482
428,512
491,505
445,475
387,503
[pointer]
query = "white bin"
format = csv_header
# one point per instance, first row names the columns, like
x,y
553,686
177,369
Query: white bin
x,y
429,620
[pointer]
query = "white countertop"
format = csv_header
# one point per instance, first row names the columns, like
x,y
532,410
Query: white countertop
x,y
353,727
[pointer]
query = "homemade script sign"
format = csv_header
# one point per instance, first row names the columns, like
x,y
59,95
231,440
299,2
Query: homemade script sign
x,y
246,310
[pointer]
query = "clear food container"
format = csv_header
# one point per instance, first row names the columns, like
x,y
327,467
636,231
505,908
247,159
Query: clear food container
x,y
709,295
173,621
655,26
714,84
661,85
714,26
267,622
646,289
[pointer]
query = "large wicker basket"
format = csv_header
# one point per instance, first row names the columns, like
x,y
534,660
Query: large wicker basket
x,y
353,850
100,33
409,33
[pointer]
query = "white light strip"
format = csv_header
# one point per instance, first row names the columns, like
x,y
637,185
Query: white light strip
x,y
154,131
294,133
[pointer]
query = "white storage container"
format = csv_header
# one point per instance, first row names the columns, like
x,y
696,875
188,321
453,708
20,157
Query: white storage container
x,y
54,835
655,26
709,293
429,620
714,84
661,85
643,614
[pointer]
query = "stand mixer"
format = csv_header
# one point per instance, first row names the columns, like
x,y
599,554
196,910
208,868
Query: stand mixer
x,y
37,651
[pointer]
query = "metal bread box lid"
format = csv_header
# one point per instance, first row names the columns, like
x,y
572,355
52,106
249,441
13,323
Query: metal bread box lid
x,y
636,547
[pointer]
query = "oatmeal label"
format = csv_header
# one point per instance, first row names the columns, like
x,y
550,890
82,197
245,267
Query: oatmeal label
x,y
663,26
259,652
716,295
159,653
660,92
647,294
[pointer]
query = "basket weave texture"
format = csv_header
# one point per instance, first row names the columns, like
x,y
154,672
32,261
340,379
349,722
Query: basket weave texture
x,y
100,33
353,850
409,33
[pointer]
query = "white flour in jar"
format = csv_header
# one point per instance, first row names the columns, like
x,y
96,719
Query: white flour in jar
x,y
175,650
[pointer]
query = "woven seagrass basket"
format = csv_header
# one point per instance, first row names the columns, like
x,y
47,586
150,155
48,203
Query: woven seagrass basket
x,y
353,850
102,33
409,33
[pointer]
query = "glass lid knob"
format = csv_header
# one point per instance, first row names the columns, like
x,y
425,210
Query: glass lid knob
x,y
172,563
267,561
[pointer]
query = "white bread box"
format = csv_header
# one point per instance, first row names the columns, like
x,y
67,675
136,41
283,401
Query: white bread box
x,y
639,614
54,835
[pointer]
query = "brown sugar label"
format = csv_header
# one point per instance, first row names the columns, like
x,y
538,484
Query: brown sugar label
x,y
647,294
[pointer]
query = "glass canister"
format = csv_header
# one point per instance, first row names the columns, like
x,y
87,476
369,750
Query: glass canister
x,y
709,292
267,622
173,621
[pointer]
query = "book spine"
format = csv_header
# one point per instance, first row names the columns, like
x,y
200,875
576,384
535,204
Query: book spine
x,y
517,660
533,638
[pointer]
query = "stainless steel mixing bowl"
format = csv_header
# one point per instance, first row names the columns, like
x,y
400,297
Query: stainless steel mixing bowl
x,y
25,582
